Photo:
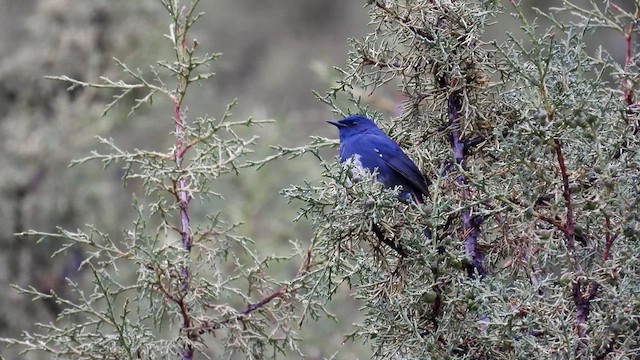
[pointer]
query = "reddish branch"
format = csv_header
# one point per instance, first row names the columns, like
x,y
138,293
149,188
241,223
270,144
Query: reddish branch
x,y
551,221
183,198
557,224
193,332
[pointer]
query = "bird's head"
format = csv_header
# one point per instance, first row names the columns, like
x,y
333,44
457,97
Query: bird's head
x,y
352,125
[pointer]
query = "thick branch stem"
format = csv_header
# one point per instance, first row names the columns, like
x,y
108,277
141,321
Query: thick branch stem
x,y
181,192
570,227
583,292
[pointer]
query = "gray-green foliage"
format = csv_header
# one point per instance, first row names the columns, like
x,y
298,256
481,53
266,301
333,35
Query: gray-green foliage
x,y
531,146
169,286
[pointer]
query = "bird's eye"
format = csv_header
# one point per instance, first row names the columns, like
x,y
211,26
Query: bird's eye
x,y
354,123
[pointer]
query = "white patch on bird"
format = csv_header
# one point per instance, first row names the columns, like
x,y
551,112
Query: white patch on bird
x,y
357,170
378,151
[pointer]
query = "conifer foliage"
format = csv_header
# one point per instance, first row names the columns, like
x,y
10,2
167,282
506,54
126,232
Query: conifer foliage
x,y
531,148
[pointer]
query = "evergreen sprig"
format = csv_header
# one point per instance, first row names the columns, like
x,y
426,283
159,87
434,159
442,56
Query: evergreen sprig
x,y
531,148
170,286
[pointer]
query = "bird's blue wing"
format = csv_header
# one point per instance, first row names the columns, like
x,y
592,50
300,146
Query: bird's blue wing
x,y
395,158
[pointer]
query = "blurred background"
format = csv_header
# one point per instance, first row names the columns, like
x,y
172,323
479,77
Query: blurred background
x,y
275,52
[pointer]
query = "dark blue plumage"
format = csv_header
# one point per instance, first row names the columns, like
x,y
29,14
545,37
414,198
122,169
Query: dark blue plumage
x,y
364,144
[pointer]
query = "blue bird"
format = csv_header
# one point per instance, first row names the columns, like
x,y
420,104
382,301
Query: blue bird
x,y
366,146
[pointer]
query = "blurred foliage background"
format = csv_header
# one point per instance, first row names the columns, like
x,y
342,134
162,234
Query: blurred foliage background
x,y
274,53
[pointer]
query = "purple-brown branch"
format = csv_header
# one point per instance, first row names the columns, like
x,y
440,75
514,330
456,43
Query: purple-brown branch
x,y
583,290
583,293
627,90
570,226
182,194
183,198
193,332
178,300
470,224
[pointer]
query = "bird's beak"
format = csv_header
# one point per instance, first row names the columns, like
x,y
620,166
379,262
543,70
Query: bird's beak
x,y
336,124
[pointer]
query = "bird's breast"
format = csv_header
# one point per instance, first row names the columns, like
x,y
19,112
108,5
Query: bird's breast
x,y
355,164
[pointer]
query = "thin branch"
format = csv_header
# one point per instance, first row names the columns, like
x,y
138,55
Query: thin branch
x,y
304,268
398,248
249,308
583,290
179,301
405,22
627,90
470,224
184,57
182,193
609,238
